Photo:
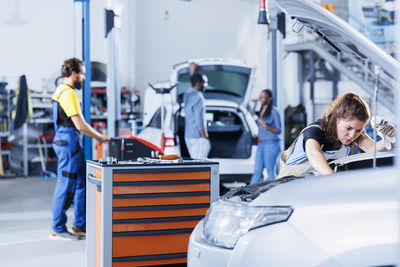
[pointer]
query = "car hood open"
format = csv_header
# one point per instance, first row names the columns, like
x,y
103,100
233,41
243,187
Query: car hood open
x,y
338,33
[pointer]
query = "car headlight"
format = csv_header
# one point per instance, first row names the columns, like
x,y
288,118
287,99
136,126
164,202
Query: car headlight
x,y
226,222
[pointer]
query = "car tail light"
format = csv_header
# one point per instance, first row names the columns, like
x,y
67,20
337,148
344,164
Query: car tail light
x,y
167,142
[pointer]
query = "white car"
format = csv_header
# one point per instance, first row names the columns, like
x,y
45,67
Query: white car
x,y
231,126
344,219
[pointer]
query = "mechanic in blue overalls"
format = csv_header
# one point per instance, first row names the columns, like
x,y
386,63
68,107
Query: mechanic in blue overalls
x,y
70,125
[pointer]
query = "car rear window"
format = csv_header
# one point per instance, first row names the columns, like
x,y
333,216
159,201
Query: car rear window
x,y
221,79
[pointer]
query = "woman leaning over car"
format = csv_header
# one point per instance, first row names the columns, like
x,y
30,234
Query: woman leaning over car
x,y
333,136
269,128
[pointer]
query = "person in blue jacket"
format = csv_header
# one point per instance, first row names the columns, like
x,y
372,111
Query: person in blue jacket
x,y
69,126
269,129
196,135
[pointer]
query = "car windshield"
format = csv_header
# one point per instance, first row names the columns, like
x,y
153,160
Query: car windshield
x,y
219,81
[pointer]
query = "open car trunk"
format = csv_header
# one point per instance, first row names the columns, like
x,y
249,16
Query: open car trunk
x,y
228,135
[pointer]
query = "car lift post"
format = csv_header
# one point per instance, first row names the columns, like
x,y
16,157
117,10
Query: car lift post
x,y
112,25
275,19
88,76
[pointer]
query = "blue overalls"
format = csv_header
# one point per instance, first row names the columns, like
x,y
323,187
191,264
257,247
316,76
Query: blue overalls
x,y
71,181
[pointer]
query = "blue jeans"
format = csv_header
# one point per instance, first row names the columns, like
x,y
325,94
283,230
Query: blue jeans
x,y
266,157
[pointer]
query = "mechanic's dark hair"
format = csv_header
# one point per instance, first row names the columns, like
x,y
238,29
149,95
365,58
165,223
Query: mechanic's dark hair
x,y
271,104
195,78
346,107
70,65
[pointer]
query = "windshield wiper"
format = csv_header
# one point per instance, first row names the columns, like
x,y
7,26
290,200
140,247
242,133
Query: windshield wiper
x,y
250,192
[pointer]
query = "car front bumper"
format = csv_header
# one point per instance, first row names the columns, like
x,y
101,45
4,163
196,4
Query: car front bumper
x,y
274,245
201,253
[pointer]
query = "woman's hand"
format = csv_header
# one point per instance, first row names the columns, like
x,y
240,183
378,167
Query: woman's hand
x,y
266,126
385,130
263,109
262,122
388,129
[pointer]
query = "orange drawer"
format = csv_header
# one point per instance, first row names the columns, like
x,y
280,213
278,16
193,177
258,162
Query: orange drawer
x,y
136,177
125,246
98,173
127,227
117,190
160,201
137,214
148,263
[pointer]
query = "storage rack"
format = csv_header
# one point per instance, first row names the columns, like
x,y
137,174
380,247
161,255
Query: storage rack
x,y
40,102
5,120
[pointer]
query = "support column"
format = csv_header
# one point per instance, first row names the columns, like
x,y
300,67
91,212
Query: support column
x,y
312,80
88,77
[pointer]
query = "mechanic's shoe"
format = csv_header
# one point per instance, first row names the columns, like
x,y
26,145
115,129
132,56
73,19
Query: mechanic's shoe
x,y
78,231
65,236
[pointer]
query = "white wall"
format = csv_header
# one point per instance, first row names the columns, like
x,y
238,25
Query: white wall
x,y
200,28
151,42
38,35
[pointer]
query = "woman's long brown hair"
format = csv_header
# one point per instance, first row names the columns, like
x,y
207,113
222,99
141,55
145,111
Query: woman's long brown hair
x,y
348,106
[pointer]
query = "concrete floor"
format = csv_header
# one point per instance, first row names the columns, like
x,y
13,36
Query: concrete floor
x,y
25,224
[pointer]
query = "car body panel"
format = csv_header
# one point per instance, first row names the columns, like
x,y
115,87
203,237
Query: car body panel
x,y
344,219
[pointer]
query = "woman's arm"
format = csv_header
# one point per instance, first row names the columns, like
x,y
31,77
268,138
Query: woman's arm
x,y
367,144
269,128
276,120
316,157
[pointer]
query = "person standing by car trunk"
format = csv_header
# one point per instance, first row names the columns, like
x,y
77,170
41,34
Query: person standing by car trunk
x,y
269,129
196,136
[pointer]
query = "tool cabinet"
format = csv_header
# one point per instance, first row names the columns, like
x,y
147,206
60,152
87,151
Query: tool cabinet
x,y
142,214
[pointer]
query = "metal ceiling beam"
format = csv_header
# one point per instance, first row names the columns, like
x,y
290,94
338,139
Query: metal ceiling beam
x,y
384,99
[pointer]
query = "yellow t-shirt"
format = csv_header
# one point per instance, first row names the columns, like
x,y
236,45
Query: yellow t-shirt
x,y
68,100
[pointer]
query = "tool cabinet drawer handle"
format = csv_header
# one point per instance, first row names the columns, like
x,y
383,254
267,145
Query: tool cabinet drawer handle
x,y
94,180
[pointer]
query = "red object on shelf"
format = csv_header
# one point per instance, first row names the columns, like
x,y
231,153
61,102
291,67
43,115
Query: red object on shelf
x,y
6,145
46,137
99,90
103,91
